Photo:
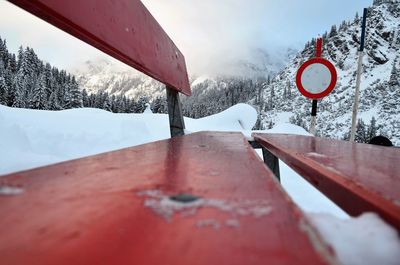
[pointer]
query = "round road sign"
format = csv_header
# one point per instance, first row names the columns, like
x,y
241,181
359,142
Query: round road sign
x,y
316,78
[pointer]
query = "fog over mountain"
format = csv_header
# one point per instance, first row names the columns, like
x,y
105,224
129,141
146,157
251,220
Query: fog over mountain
x,y
213,35
267,80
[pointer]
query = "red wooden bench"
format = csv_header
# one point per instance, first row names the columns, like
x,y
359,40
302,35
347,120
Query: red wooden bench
x,y
204,198
137,206
198,199
357,177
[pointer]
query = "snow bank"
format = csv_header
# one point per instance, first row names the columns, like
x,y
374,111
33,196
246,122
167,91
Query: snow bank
x,y
286,128
32,138
306,196
240,117
362,240
297,187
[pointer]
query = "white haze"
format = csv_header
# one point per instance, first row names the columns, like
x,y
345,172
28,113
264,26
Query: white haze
x,y
212,34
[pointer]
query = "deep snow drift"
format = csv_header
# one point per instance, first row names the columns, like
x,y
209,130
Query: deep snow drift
x,y
32,138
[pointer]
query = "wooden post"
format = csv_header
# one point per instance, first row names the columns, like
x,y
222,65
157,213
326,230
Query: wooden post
x,y
356,97
176,121
358,80
272,162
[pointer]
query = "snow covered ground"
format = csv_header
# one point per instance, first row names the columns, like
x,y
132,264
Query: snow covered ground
x,y
33,138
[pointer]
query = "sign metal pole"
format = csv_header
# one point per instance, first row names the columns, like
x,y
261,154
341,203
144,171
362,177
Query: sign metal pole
x,y
313,125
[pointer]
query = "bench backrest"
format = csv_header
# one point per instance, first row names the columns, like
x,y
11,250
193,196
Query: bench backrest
x,y
124,29
357,177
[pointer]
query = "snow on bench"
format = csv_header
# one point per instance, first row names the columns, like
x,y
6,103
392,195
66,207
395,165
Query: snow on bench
x,y
357,177
204,198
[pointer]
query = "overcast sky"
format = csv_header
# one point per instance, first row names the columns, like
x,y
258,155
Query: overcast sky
x,y
204,30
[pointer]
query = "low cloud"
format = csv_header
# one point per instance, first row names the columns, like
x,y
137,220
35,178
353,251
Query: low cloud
x,y
211,34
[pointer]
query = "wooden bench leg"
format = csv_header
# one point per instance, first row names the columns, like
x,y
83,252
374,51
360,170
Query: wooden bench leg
x,y
272,162
176,121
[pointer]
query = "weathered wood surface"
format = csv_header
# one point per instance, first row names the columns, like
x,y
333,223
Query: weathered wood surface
x,y
115,208
124,29
175,115
272,162
357,177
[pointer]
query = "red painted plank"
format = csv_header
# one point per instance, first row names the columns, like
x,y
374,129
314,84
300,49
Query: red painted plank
x,y
106,209
357,177
123,29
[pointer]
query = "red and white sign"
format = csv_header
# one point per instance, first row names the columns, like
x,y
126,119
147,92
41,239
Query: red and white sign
x,y
317,77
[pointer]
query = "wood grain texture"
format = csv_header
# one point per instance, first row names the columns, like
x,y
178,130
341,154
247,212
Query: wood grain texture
x,y
100,209
358,177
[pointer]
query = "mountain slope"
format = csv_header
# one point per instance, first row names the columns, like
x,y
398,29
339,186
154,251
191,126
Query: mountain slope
x,y
380,89
106,75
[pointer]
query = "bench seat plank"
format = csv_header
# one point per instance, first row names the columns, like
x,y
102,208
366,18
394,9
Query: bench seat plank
x,y
357,177
115,208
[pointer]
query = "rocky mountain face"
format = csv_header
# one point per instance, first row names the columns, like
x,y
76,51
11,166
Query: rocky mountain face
x,y
278,99
380,83
110,76
107,75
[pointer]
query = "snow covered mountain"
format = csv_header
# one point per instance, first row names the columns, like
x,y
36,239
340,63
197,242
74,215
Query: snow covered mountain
x,y
279,100
108,75
380,84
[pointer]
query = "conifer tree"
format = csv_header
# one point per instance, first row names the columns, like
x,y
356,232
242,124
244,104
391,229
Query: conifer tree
x,y
324,38
3,91
73,95
141,104
39,97
159,105
394,77
19,84
343,26
289,90
85,98
106,104
372,130
333,31
361,132
12,64
4,56
10,88
20,57
76,95
122,104
271,98
53,103
357,18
